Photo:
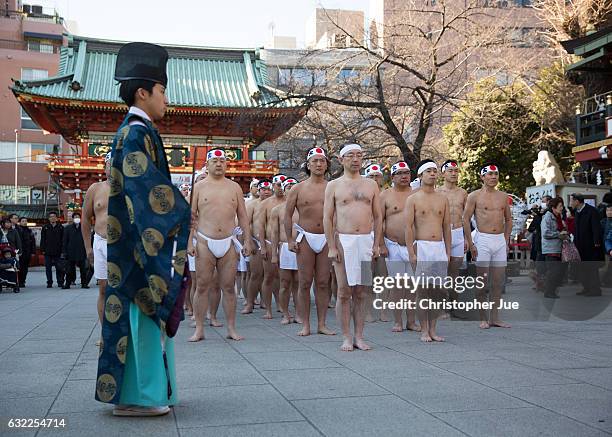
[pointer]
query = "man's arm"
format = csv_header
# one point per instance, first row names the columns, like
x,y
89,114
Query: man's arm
x,y
470,206
43,239
329,209
275,224
507,221
243,222
191,250
259,226
377,216
409,233
446,228
596,228
88,215
290,205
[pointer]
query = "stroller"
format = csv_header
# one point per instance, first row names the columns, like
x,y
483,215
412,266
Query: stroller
x,y
9,268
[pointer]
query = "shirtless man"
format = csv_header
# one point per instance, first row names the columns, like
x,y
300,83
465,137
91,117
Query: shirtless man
x,y
253,191
255,260
271,281
282,256
310,245
394,248
428,238
456,200
491,241
351,213
188,307
216,201
374,172
95,207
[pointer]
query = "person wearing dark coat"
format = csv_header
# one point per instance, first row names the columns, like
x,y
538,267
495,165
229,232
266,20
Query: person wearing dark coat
x,y
28,246
73,251
51,238
588,241
10,235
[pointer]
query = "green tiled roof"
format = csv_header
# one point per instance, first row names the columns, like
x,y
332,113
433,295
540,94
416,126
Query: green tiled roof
x,y
197,77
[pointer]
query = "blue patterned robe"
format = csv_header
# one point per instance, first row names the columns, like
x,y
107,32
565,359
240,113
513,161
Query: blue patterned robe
x,y
147,216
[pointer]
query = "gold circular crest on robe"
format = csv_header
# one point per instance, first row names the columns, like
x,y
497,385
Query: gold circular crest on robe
x,y
158,288
116,182
101,348
106,387
150,148
113,230
178,262
138,258
135,164
123,133
130,208
113,274
145,302
161,199
122,348
113,308
152,241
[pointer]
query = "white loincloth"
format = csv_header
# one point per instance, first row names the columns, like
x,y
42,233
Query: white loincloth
x,y
191,259
220,247
431,259
316,242
99,254
398,262
357,249
491,249
457,243
287,259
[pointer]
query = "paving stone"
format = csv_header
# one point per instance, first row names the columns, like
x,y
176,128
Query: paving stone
x,y
292,360
278,429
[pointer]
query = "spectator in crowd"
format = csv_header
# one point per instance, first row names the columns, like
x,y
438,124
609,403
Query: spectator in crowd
x,y
538,212
589,244
28,246
51,238
605,202
73,251
10,235
554,231
606,225
14,221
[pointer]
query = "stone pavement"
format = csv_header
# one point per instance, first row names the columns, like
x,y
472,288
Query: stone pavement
x,y
542,377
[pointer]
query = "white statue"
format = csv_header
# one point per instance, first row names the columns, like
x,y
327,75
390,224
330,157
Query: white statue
x,y
546,170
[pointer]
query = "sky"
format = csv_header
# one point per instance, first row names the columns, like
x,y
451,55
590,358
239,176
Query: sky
x,y
215,23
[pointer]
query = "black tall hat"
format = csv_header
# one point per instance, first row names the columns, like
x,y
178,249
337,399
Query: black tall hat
x,y
141,60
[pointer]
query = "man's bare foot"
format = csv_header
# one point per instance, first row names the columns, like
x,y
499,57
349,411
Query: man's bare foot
x,y
484,325
262,306
347,345
397,328
304,332
233,335
267,315
370,318
425,337
413,327
362,345
286,320
325,331
215,323
257,303
384,319
298,320
197,336
248,309
435,337
331,304
500,324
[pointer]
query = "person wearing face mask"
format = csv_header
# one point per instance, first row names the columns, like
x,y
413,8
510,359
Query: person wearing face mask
x,y
73,251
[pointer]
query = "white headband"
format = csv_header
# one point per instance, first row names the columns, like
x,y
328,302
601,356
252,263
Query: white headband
x,y
348,148
373,169
426,166
399,166
449,165
279,178
488,168
264,184
288,182
188,186
254,182
415,184
315,151
216,153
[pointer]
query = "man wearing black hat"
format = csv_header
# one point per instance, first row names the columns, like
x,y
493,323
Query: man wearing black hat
x,y
147,232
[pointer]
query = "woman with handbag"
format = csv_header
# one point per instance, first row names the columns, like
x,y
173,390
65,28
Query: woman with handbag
x,y
554,233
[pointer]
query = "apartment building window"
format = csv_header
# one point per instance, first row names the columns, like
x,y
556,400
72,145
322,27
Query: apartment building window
x,y
40,152
300,76
347,74
34,74
26,121
40,46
